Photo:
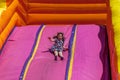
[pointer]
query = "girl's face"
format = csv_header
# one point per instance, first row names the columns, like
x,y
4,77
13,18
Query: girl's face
x,y
60,36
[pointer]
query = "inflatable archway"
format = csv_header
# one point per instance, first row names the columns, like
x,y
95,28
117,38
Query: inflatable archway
x,y
62,12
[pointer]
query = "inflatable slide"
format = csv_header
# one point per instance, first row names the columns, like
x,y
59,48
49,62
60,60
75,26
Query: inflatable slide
x,y
87,57
90,37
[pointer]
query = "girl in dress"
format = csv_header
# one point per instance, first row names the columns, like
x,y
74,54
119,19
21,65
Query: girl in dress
x,y
57,48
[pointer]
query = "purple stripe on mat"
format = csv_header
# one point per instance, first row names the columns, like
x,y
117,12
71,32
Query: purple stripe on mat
x,y
104,54
16,51
70,51
31,53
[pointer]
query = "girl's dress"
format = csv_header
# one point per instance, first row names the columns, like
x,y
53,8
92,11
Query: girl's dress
x,y
58,46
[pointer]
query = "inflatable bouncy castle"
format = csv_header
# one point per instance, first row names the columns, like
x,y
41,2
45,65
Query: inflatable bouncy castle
x,y
91,29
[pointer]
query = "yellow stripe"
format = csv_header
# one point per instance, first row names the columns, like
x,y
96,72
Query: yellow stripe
x,y
72,57
115,8
34,52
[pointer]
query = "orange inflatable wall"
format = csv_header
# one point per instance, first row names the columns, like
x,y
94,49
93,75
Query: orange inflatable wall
x,y
66,12
14,15
26,12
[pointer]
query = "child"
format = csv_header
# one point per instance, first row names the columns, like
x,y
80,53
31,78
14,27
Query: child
x,y
57,48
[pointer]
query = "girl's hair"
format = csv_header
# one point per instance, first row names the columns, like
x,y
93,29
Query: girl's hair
x,y
63,39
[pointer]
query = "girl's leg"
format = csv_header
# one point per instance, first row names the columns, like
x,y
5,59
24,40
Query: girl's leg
x,y
56,54
61,55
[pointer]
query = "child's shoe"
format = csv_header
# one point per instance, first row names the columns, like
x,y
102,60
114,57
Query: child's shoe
x,y
62,58
55,58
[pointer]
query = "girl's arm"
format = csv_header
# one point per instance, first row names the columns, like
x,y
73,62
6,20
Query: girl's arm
x,y
65,48
51,39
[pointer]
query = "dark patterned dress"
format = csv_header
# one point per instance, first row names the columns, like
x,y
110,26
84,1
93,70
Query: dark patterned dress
x,y
58,46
